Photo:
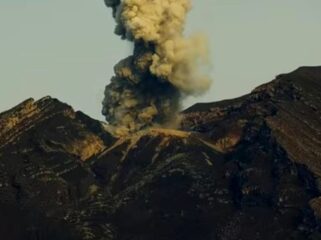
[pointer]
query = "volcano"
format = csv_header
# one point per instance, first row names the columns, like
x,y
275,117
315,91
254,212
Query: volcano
x,y
239,169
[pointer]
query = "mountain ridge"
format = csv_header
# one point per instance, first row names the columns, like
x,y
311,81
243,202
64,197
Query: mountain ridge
x,y
245,168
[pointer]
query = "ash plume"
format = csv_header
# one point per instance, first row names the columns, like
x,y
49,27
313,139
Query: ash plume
x,y
165,66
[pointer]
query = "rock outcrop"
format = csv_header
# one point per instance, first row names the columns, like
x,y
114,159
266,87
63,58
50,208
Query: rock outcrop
x,y
247,168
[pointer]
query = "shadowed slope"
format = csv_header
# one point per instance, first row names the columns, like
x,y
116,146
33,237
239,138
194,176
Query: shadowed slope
x,y
240,169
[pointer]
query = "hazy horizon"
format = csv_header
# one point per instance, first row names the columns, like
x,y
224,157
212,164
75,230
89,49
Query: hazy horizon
x,y
68,49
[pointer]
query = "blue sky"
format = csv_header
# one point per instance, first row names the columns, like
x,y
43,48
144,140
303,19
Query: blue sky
x,y
67,49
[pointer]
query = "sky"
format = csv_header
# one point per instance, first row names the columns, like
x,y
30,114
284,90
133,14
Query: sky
x,y
67,49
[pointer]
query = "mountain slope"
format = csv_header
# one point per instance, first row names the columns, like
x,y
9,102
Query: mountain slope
x,y
246,168
43,146
289,106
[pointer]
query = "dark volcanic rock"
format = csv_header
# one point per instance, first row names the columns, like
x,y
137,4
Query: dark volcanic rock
x,y
43,176
240,169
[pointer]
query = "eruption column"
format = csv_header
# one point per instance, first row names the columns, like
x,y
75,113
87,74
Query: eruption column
x,y
148,86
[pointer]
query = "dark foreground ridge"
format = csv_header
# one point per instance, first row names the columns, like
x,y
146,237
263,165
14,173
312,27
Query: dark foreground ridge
x,y
242,169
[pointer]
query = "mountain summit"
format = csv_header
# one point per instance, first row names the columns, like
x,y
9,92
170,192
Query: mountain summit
x,y
240,169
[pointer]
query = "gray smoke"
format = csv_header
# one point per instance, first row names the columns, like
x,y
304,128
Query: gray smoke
x,y
148,86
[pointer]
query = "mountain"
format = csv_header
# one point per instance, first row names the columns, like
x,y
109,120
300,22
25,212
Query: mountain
x,y
240,169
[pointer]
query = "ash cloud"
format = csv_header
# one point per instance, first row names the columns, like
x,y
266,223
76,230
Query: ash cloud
x,y
165,66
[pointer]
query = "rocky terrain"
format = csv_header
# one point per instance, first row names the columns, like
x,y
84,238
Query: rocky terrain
x,y
241,169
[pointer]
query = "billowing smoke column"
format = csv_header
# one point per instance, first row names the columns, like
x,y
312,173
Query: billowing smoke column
x,y
148,86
